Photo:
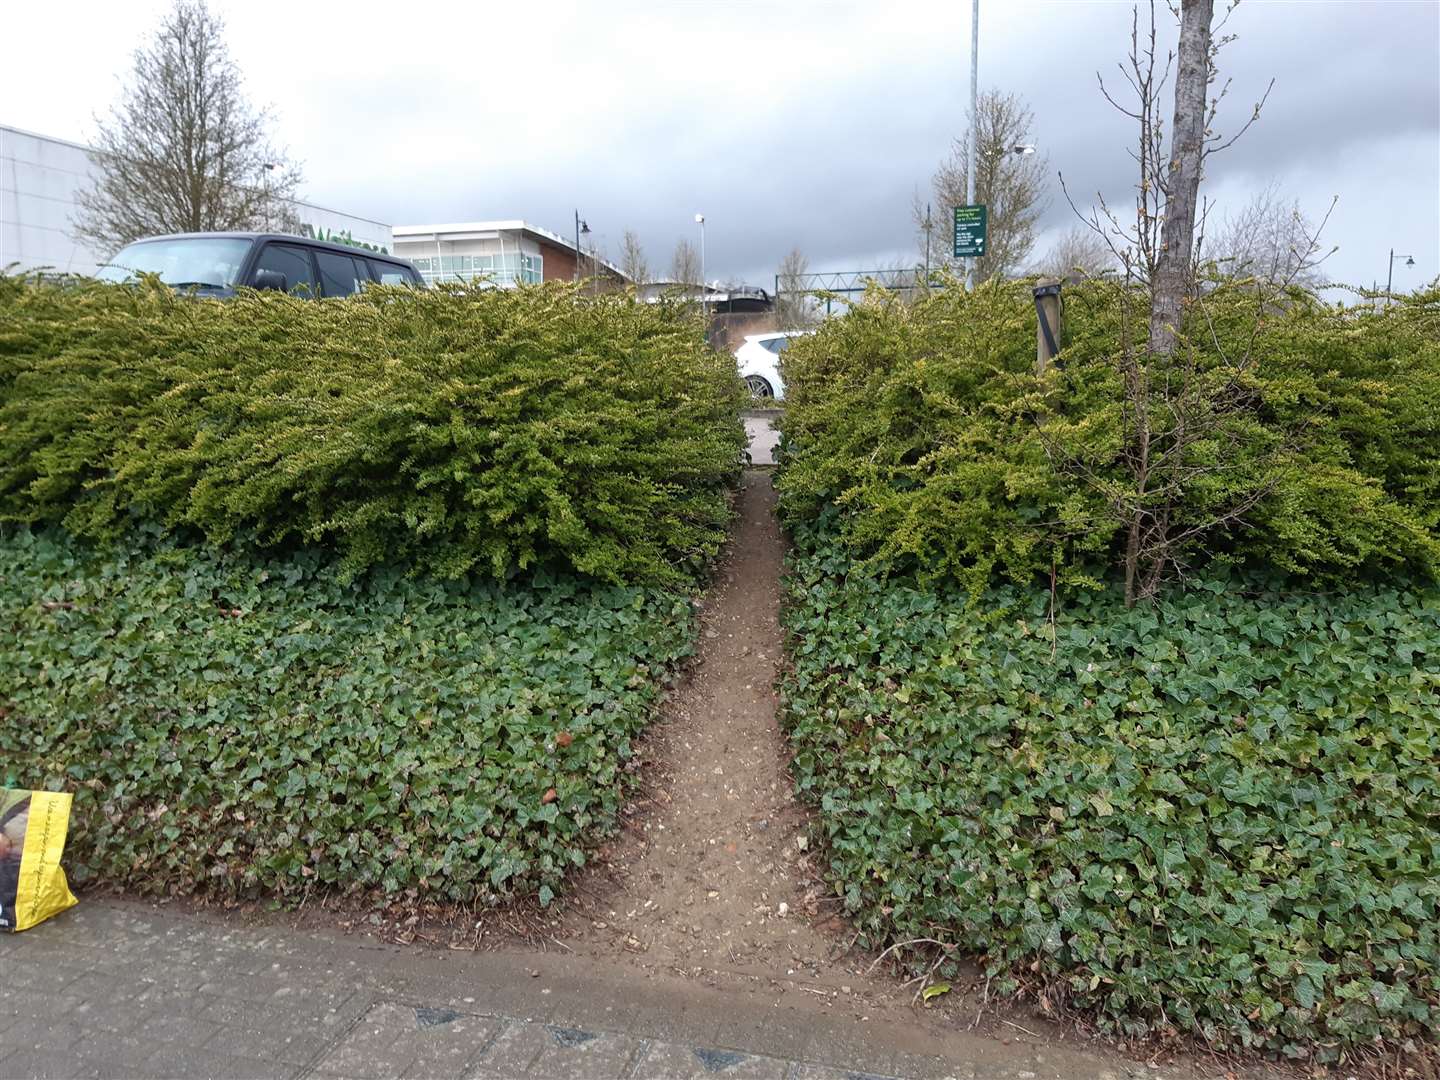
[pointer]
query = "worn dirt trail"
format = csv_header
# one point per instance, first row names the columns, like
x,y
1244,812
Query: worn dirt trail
x,y
714,875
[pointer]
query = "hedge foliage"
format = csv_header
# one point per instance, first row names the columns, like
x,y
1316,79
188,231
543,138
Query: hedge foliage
x,y
239,725
925,427
456,429
1218,814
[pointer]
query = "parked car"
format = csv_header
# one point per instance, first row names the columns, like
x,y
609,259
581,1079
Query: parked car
x,y
759,362
216,264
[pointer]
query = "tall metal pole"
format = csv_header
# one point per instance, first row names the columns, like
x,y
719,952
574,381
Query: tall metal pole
x,y
1390,277
577,245
974,125
928,227
700,220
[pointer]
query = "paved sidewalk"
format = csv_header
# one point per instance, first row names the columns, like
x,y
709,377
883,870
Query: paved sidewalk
x,y
119,989
764,439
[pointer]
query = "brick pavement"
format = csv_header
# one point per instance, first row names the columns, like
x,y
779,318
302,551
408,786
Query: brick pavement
x,y
119,989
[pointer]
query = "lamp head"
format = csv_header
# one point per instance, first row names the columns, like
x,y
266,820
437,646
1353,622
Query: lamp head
x,y
699,219
1410,261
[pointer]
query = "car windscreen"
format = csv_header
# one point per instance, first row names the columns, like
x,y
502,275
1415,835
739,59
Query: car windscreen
x,y
206,261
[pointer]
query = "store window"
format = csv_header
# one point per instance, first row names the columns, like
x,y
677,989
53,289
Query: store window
x,y
509,269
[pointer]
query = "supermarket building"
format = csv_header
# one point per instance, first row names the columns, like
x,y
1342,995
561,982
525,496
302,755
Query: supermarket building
x,y
507,253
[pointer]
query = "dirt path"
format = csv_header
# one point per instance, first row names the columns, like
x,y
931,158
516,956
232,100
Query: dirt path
x,y
717,877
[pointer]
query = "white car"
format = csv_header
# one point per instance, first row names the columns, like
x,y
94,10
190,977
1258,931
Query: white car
x,y
759,362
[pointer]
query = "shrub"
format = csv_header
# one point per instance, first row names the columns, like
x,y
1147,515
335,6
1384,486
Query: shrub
x,y
925,431
1219,813
239,725
461,429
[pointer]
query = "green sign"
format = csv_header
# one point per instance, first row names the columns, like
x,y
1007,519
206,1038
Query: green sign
x,y
972,224
339,238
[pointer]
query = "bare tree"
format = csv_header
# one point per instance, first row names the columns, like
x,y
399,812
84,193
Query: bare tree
x,y
183,150
685,263
632,258
793,307
1173,405
1268,238
1077,255
1011,185
1180,175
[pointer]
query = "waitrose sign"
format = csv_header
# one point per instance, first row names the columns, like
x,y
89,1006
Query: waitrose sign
x,y
316,232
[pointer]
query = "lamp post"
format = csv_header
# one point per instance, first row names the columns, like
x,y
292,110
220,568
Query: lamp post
x,y
928,227
974,126
1390,272
580,227
269,167
700,220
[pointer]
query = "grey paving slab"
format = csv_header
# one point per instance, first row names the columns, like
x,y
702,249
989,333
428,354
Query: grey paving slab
x,y
762,436
548,1050
146,993
396,1039
181,1062
666,1060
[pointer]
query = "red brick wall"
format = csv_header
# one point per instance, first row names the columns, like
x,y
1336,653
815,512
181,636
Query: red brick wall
x,y
559,262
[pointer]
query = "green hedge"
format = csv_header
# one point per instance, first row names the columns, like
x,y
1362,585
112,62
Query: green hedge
x,y
454,429
924,426
1219,814
243,726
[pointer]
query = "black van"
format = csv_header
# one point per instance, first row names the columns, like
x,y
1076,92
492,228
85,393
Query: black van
x,y
216,264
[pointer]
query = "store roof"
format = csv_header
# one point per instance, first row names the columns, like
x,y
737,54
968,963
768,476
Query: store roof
x,y
488,230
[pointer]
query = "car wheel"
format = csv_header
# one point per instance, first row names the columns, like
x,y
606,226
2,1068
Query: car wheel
x,y
759,386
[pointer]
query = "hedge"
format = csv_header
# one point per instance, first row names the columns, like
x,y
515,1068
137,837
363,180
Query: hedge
x,y
1219,814
246,726
925,429
456,429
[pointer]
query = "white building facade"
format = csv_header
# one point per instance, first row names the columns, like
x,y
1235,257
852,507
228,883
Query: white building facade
x,y
41,178
504,253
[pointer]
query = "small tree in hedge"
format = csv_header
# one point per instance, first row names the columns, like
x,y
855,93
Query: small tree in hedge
x,y
1194,458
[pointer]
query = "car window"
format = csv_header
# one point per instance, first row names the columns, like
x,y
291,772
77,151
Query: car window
x,y
203,261
390,274
340,275
777,345
293,262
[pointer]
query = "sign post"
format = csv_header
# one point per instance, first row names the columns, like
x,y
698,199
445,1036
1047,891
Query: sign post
x,y
972,225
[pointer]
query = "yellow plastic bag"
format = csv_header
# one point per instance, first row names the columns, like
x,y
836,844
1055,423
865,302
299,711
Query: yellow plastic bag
x,y
32,837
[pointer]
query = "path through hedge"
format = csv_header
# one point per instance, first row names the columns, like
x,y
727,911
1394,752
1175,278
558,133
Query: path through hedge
x,y
714,872
711,878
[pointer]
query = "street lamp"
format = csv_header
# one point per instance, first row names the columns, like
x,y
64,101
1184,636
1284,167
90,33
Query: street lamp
x,y
700,220
580,227
1390,272
269,167
974,125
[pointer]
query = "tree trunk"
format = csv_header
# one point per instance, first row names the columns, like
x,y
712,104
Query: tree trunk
x,y
1187,146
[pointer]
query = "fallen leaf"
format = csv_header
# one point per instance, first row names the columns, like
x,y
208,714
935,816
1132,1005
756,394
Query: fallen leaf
x,y
934,990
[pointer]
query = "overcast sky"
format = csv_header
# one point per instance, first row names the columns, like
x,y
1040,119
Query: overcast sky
x,y
787,124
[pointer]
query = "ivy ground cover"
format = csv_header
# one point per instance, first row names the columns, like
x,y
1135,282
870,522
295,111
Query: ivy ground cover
x,y
1219,814
242,726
